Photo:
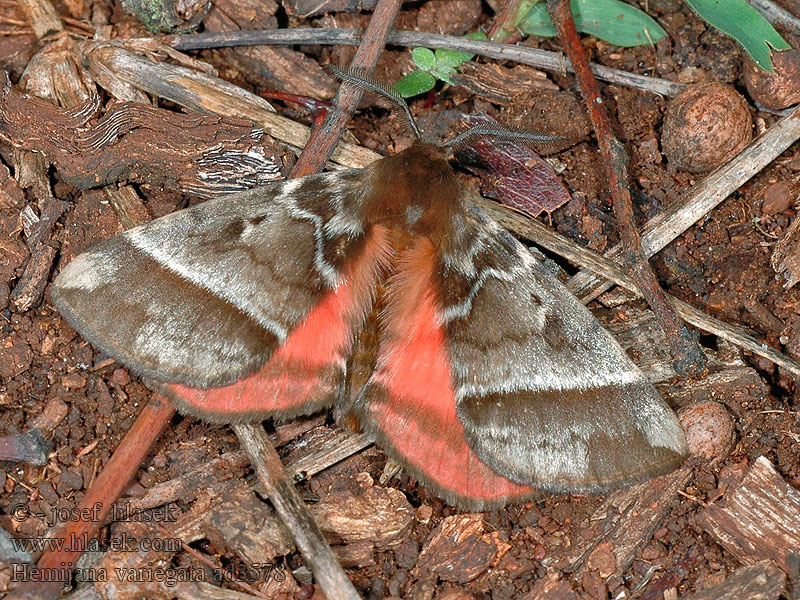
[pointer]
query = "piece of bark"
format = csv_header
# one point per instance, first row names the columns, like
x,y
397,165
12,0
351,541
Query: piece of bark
x,y
283,69
627,519
55,74
356,555
11,195
786,255
30,288
50,211
551,587
129,208
499,84
459,550
760,518
310,8
380,517
761,581
455,17
248,527
206,156
321,448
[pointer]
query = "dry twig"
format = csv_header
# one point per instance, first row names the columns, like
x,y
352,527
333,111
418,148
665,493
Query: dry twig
x,y
543,59
689,358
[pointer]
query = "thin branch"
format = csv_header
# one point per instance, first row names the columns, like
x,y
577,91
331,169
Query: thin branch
x,y
294,513
688,358
553,61
776,15
324,138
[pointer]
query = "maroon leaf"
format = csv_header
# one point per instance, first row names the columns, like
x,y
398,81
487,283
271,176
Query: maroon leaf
x,y
513,173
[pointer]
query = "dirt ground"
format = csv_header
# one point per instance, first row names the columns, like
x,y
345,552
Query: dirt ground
x,y
85,403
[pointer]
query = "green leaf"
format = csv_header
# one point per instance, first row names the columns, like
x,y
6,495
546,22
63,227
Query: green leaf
x,y
423,58
443,72
416,82
613,21
744,24
453,58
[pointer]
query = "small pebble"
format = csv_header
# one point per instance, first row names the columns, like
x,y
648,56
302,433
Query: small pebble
x,y
709,429
73,381
71,480
777,198
120,377
603,560
705,125
48,492
777,90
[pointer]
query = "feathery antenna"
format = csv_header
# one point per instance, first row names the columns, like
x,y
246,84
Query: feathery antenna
x,y
529,138
360,78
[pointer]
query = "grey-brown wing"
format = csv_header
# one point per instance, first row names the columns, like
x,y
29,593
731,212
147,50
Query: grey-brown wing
x,y
546,396
205,295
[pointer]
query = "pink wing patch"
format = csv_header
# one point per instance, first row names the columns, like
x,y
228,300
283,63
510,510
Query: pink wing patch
x,y
306,371
410,400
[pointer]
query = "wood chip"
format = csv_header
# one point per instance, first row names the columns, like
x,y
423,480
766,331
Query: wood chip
x,y
761,581
627,518
499,84
309,8
206,156
551,587
248,527
760,519
30,288
380,516
279,68
786,256
458,550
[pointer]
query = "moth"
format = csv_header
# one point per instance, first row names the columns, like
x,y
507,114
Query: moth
x,y
490,381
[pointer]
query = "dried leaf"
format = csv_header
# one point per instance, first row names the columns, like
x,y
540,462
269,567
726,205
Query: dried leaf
x,y
517,176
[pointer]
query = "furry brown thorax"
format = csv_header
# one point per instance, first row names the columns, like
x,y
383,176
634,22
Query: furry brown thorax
x,y
415,190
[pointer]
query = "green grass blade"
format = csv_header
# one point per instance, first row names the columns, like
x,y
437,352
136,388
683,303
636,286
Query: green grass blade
x,y
744,24
615,22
